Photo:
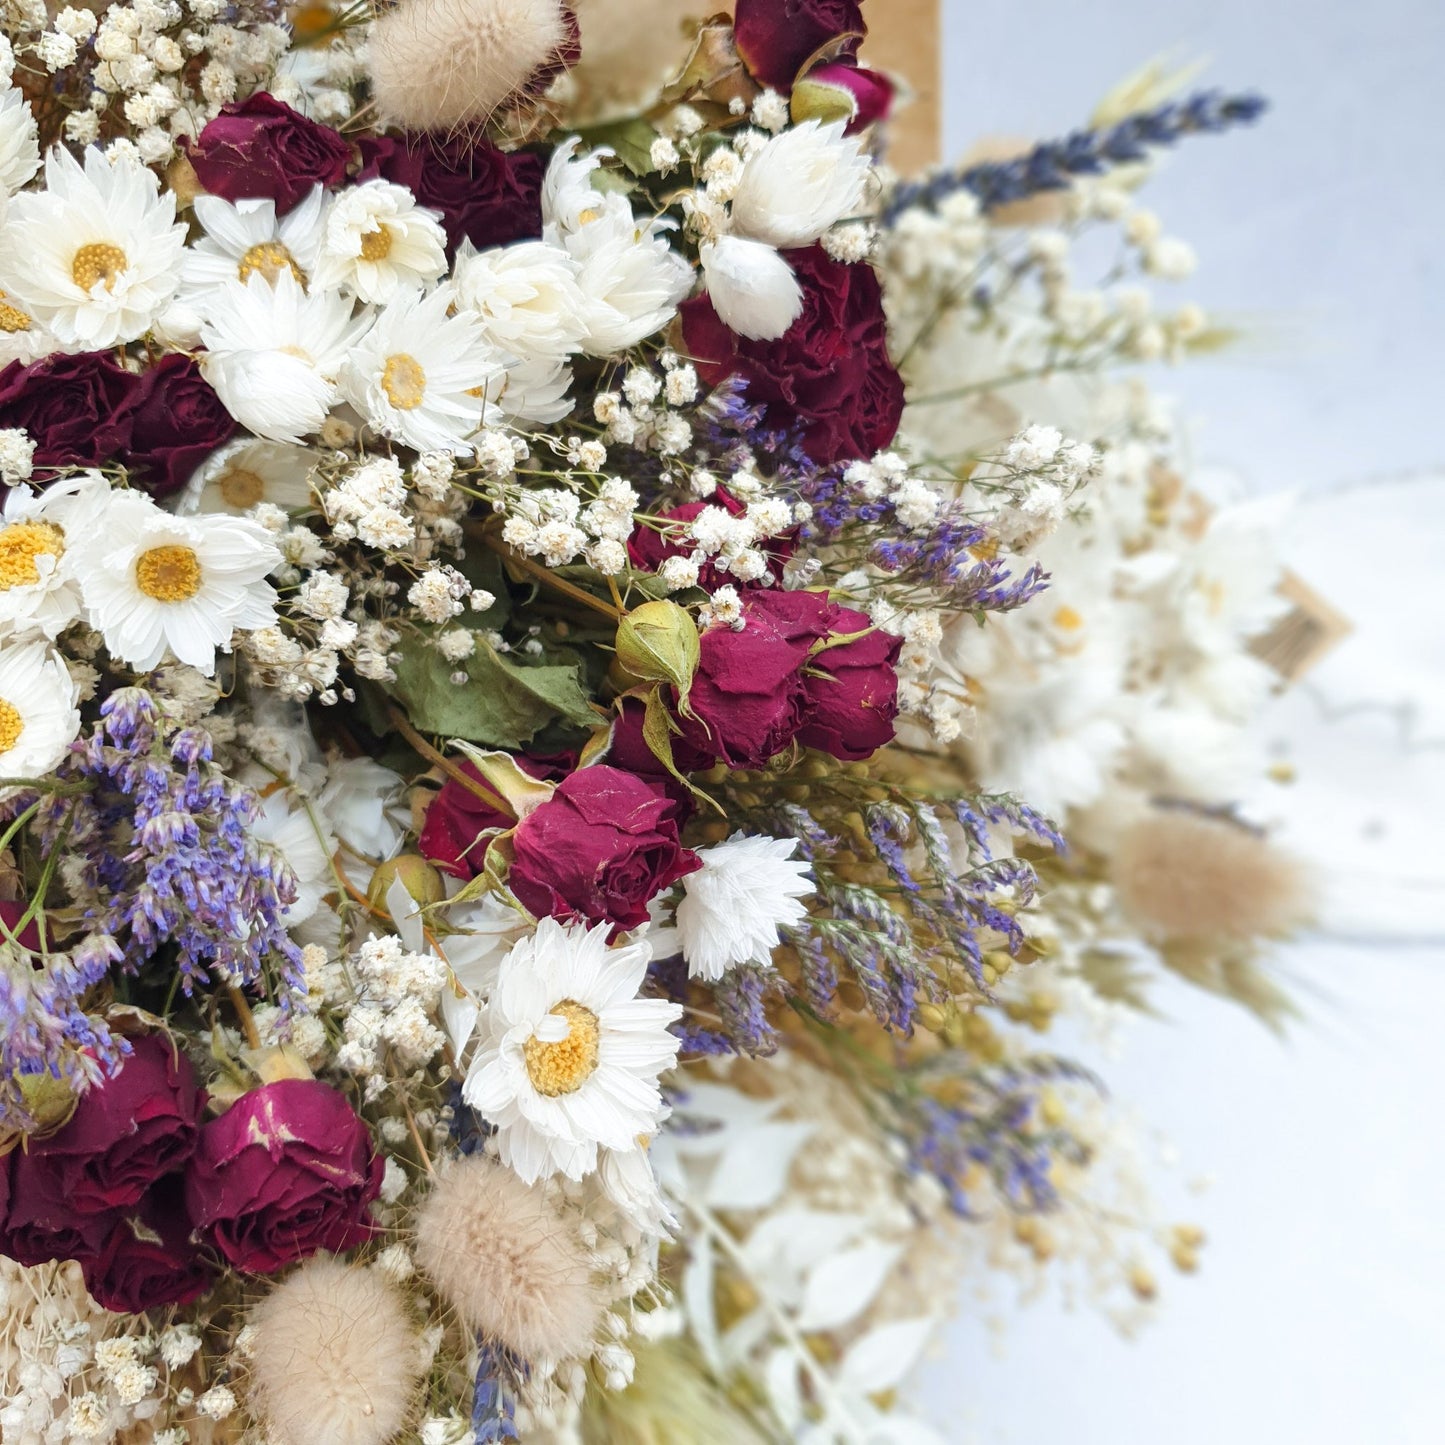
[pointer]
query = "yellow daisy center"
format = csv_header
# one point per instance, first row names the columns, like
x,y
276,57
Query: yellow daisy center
x,y
99,261
12,319
1067,619
11,725
563,1067
269,259
241,488
20,544
169,574
403,381
376,245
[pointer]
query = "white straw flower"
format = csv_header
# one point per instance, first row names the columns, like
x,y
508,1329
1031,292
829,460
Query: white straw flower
x,y
19,146
377,242
274,354
569,1055
39,589
95,256
153,582
525,296
734,905
421,375
752,288
38,716
245,238
799,184
245,473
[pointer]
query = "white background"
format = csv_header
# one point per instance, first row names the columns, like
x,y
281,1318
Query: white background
x,y
1319,1315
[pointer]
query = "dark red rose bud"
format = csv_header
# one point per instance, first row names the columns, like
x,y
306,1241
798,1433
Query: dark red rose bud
x,y
127,1131
777,38
73,407
600,849
829,374
747,695
485,195
851,710
149,1258
37,1222
459,824
287,1170
262,148
833,92
629,751
175,421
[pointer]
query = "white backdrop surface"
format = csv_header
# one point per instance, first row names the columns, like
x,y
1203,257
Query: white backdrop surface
x,y
1319,1315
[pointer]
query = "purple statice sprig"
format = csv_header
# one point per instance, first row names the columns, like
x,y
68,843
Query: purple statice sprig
x,y
1054,165
989,1117
167,855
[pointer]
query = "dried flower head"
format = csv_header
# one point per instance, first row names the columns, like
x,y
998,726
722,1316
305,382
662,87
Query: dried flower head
x,y
439,64
335,1356
508,1261
1181,873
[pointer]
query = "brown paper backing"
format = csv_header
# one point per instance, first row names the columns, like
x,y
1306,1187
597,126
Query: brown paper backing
x,y
905,39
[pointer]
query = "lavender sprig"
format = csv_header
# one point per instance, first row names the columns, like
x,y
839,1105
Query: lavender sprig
x,y
1052,165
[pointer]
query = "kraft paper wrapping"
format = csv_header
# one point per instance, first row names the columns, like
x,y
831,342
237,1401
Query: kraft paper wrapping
x,y
905,38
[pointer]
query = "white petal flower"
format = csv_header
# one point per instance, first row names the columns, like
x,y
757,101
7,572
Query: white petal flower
x,y
525,296
751,287
537,391
38,716
628,1182
799,184
39,588
630,278
153,582
569,1055
378,242
245,473
733,906
421,375
245,238
274,354
568,198
299,834
19,146
95,256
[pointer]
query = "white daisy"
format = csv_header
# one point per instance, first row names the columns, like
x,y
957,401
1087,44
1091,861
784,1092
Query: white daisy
x,y
22,338
733,906
245,238
95,256
421,376
274,354
39,589
378,242
244,473
38,716
525,296
153,582
300,836
19,144
569,1055
538,391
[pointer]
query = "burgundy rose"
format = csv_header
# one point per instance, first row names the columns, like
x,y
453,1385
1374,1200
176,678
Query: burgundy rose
x,y
287,1170
777,38
647,548
72,406
175,422
127,1131
601,848
11,912
851,710
261,148
456,819
629,751
37,1222
490,197
149,1259
748,693
829,373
